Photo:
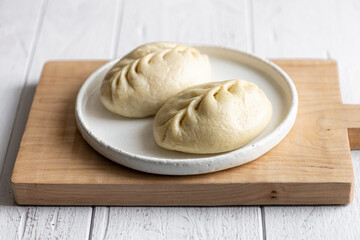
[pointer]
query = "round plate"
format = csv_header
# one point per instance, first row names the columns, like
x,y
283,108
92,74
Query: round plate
x,y
130,142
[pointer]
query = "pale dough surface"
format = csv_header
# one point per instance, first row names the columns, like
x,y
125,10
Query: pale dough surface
x,y
212,117
139,83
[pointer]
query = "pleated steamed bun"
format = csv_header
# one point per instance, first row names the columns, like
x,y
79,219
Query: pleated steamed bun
x,y
212,117
140,83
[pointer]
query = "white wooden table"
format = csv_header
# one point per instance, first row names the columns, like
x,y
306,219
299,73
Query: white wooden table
x,y
33,32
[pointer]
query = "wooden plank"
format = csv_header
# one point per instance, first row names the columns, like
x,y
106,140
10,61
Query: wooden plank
x,y
81,29
292,29
176,223
220,23
326,29
44,222
312,165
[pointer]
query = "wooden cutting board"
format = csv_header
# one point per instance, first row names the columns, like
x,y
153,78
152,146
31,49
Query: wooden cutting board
x,y
312,165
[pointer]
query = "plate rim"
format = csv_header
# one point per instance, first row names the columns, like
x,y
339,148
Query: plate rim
x,y
108,150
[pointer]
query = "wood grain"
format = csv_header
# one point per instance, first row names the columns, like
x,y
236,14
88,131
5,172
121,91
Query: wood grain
x,y
315,222
351,112
311,166
177,223
281,29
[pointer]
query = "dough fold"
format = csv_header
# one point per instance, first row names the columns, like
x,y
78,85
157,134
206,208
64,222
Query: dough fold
x,y
139,83
212,117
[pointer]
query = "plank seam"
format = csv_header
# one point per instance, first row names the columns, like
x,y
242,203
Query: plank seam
x,y
91,229
28,64
263,222
22,225
105,226
250,24
118,22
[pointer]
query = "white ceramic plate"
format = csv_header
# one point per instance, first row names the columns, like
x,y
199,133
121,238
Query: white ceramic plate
x,y
130,142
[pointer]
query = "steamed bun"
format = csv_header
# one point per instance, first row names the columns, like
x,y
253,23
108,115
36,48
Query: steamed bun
x,y
139,83
212,117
